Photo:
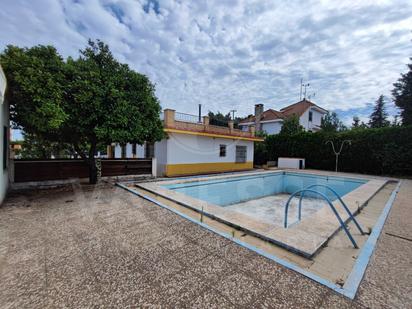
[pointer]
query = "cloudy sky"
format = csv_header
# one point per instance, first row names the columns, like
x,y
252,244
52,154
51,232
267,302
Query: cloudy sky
x,y
232,54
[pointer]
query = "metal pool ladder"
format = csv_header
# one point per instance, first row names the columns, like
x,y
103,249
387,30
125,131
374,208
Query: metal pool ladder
x,y
342,224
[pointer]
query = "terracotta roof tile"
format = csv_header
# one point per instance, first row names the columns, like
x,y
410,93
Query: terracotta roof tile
x,y
269,114
297,108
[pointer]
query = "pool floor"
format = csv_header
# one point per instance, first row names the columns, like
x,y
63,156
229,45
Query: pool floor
x,y
271,209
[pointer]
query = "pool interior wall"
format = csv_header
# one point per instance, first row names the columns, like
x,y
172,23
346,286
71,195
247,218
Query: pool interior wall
x,y
224,192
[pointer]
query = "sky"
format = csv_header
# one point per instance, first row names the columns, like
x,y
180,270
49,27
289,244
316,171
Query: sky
x,y
233,54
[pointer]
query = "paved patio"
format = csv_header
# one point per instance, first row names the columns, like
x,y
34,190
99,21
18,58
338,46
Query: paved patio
x,y
81,246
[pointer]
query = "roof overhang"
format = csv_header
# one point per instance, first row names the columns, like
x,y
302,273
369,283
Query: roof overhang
x,y
319,109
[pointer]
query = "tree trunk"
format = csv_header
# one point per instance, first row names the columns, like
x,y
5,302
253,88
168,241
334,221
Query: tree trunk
x,y
92,165
92,171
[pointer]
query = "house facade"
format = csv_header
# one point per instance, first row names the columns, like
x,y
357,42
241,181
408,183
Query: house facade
x,y
194,147
271,121
4,145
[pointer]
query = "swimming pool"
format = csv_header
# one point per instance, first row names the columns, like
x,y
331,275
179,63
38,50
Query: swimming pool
x,y
228,191
249,208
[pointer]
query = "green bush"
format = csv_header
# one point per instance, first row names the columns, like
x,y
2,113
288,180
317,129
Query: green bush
x,y
382,151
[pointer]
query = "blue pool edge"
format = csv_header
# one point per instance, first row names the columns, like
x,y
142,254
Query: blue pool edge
x,y
355,277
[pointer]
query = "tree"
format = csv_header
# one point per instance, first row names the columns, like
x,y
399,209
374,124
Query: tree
x,y
402,95
395,121
356,122
87,102
219,119
35,83
34,147
331,123
291,126
379,117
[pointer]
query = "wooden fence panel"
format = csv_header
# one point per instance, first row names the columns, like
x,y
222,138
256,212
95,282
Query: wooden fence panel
x,y
42,170
117,167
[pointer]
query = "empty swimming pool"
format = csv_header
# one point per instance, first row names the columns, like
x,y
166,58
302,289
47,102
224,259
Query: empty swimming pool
x,y
249,208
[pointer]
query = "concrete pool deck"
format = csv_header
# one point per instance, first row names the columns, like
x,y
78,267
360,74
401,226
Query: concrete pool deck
x,y
305,238
81,246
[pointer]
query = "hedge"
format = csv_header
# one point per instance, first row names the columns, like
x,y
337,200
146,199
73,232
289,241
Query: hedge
x,y
383,151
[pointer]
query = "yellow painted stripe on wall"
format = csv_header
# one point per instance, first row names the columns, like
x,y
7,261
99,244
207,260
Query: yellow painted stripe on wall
x,y
203,168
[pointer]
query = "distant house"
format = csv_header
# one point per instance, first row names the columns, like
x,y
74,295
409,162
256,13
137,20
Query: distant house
x,y
4,145
271,121
194,147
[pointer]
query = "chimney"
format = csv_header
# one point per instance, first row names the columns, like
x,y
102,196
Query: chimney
x,y
258,114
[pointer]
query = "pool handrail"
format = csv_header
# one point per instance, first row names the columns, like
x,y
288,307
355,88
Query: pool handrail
x,y
342,224
340,200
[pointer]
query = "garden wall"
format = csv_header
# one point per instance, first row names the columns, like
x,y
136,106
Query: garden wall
x,y
60,169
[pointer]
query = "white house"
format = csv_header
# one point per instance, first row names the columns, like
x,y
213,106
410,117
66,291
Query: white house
x,y
194,147
271,121
4,145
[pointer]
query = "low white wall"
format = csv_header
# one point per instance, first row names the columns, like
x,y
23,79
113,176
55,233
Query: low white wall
x,y
160,151
291,163
4,134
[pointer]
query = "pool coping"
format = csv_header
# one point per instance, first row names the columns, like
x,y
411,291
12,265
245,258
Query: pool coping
x,y
301,239
354,279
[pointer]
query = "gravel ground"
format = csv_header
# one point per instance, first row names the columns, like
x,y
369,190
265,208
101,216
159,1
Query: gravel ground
x,y
83,246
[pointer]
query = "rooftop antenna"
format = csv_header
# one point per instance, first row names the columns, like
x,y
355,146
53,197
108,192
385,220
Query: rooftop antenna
x,y
233,111
305,86
311,96
301,84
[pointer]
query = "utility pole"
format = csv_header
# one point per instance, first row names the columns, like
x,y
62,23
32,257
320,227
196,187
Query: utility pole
x,y
200,113
233,113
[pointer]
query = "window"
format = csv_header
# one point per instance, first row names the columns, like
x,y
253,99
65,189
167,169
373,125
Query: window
x,y
310,115
240,154
222,150
134,150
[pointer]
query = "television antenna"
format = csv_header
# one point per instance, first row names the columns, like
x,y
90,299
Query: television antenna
x,y
311,96
304,86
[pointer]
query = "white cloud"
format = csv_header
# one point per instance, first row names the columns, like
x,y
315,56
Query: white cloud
x,y
233,54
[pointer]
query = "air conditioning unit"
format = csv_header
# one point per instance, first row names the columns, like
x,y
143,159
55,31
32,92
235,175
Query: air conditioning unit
x,y
296,163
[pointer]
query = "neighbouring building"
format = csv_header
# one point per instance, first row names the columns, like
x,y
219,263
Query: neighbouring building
x,y
194,147
129,150
270,121
4,145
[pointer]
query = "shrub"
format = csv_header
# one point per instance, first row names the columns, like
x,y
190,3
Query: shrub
x,y
381,151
